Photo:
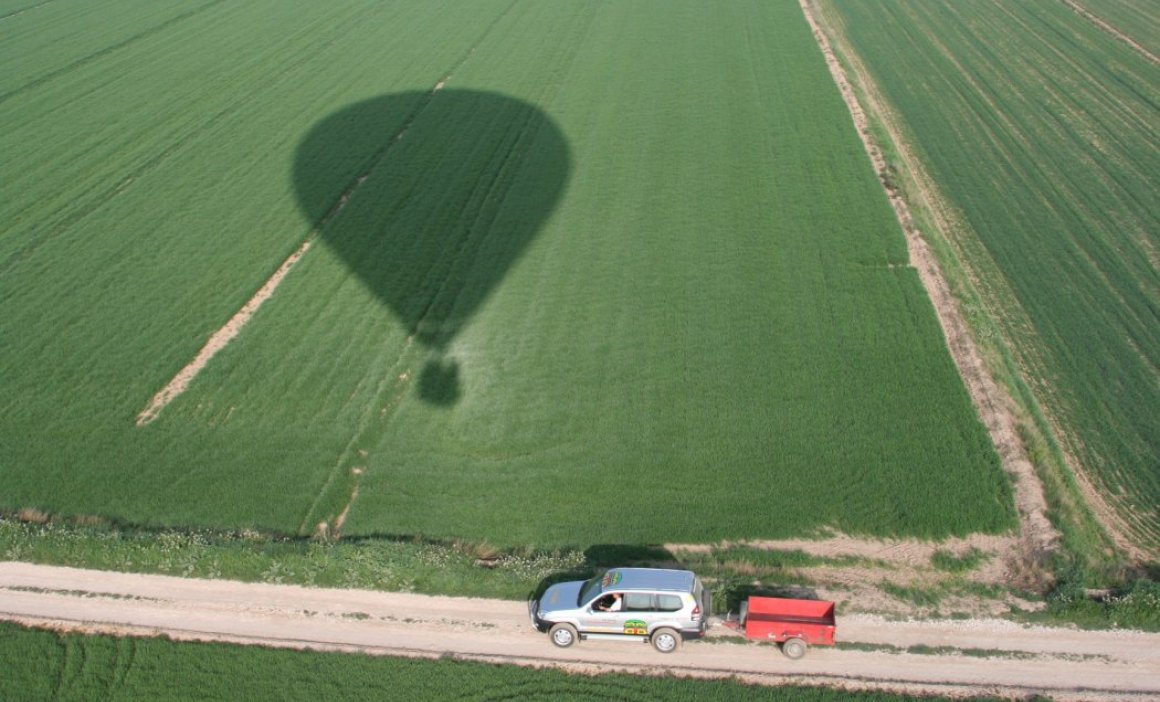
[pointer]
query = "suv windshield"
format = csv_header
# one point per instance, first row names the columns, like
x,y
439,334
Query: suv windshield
x,y
589,590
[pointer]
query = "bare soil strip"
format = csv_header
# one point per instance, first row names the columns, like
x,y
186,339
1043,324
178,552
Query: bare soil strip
x,y
895,552
861,573
991,401
967,657
1083,12
218,341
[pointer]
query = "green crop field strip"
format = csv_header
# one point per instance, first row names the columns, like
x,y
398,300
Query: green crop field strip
x,y
1041,127
626,277
42,665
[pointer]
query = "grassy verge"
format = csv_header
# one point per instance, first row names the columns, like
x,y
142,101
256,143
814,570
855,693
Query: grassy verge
x,y
382,563
406,565
925,650
467,569
1134,605
929,597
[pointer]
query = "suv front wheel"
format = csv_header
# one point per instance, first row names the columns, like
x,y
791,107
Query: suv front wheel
x,y
563,635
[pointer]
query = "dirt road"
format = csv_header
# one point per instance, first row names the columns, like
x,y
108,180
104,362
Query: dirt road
x,y
973,656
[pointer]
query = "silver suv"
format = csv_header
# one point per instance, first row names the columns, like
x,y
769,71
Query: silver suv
x,y
625,604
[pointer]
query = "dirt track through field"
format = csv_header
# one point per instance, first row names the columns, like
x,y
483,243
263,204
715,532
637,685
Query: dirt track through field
x,y
218,341
970,656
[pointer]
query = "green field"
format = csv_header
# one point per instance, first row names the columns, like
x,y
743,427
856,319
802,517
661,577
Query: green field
x,y
627,277
1136,19
43,665
1041,128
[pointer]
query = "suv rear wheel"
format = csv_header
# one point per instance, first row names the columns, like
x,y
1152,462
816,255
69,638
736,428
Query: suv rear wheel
x,y
563,635
666,640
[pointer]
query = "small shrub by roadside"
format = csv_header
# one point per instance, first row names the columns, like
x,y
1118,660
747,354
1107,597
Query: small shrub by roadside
x,y
1135,605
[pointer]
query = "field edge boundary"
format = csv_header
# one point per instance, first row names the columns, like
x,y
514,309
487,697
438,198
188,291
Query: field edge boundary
x,y
993,404
1086,521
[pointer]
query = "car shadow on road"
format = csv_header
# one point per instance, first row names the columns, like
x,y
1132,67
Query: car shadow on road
x,y
601,557
729,590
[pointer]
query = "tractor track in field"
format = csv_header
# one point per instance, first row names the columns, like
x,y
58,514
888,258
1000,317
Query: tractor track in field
x,y
957,658
96,197
21,11
992,402
105,51
1110,29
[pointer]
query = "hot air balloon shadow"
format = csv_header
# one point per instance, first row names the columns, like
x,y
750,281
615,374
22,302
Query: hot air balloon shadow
x,y
429,197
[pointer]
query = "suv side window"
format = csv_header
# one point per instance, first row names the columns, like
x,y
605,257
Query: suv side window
x,y
669,603
638,602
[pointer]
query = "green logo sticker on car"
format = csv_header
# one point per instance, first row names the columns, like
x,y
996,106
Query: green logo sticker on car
x,y
636,627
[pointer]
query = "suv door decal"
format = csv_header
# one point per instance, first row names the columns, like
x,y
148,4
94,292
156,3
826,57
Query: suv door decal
x,y
636,627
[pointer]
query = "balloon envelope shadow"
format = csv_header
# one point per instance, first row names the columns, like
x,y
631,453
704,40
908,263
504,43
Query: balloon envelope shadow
x,y
429,197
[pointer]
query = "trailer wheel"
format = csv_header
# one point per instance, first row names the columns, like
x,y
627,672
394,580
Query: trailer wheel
x,y
666,640
794,648
563,635
743,613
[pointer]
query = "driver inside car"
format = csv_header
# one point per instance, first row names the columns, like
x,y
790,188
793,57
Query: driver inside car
x,y
610,603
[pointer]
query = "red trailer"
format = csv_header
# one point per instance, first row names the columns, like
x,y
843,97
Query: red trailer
x,y
795,624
